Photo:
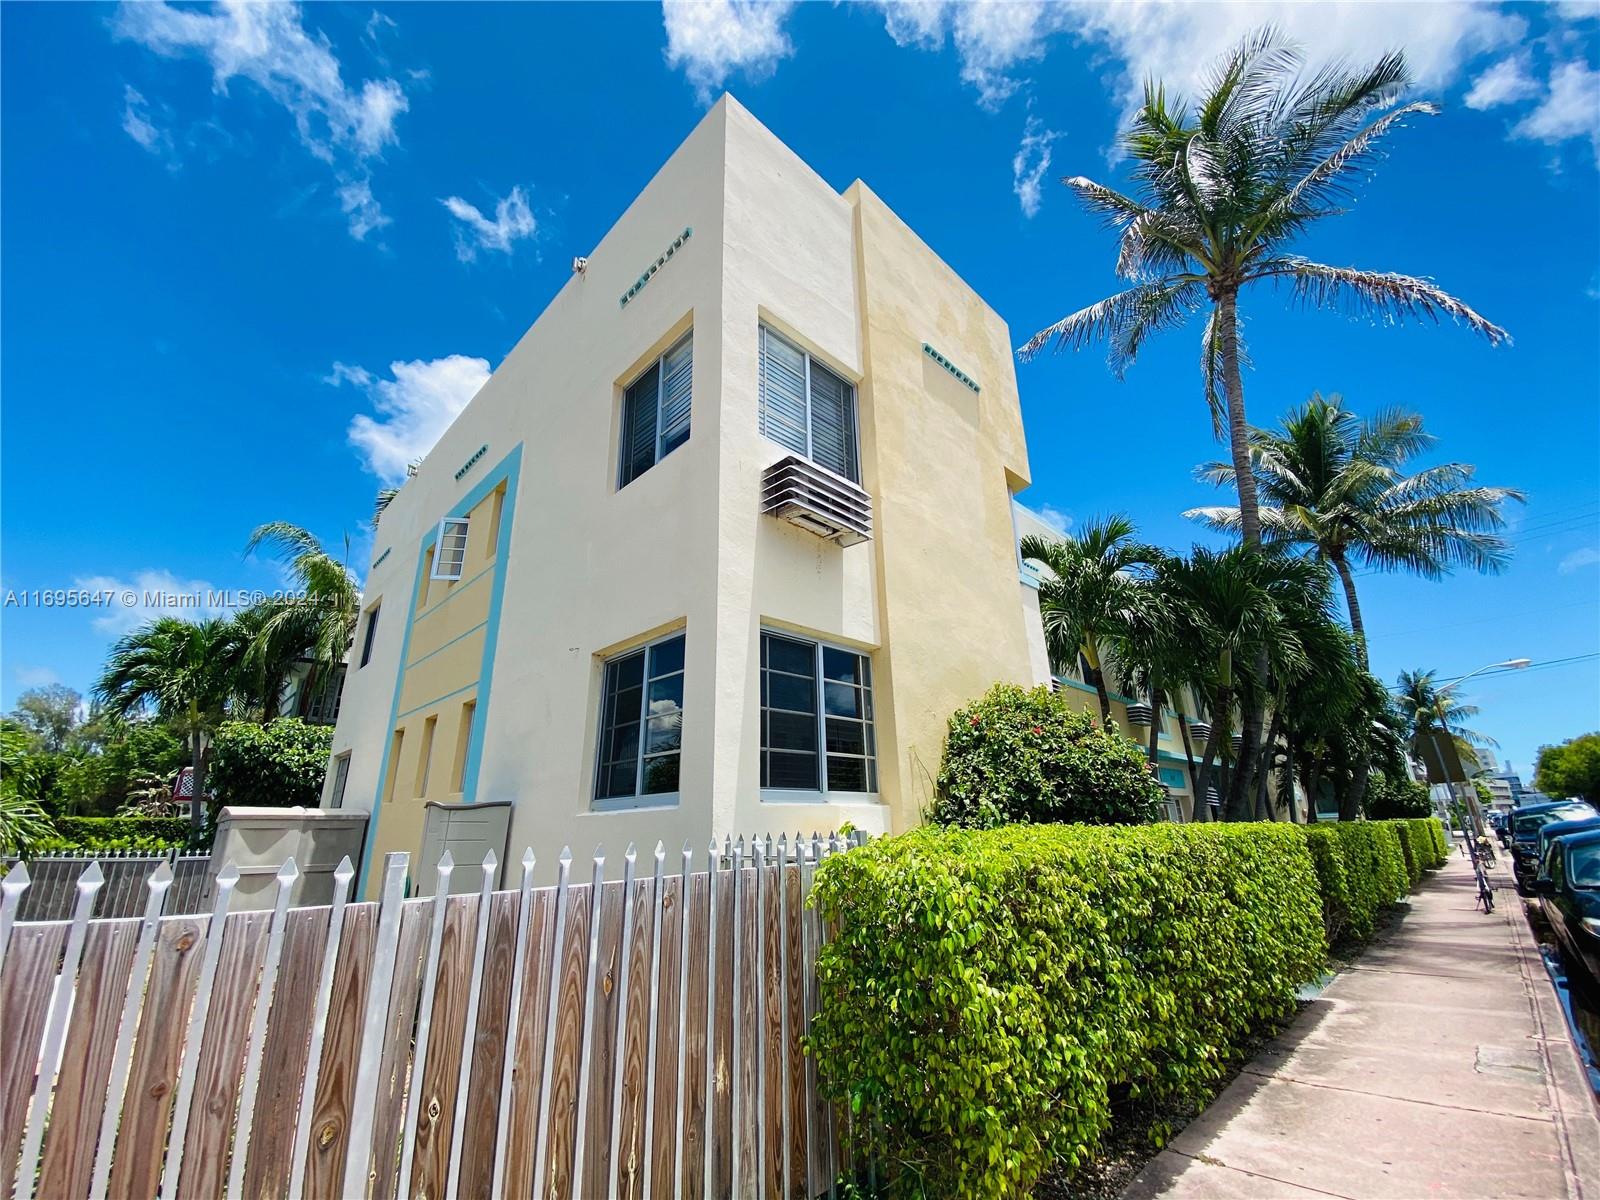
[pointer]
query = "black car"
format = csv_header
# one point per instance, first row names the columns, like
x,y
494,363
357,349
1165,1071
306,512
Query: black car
x,y
1570,898
1525,825
1555,830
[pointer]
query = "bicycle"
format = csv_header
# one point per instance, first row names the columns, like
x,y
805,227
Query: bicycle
x,y
1485,888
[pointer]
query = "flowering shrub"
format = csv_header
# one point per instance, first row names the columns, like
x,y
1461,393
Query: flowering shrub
x,y
1018,755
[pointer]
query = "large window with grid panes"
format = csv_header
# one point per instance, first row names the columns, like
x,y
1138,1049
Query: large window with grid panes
x,y
817,734
641,726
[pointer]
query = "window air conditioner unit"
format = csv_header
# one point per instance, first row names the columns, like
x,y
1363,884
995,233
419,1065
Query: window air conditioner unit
x,y
798,491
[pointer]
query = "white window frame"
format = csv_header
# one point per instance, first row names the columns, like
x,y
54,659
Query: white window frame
x,y
456,530
821,794
660,367
855,409
640,798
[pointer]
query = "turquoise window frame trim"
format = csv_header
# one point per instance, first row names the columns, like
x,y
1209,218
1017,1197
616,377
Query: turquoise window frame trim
x,y
461,585
509,472
422,658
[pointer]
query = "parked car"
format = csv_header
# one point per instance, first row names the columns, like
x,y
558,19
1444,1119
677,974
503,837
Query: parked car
x,y
1570,897
1559,829
1500,822
1525,825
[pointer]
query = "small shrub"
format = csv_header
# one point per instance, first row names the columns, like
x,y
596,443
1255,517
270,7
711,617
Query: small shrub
x,y
1019,755
1393,799
278,765
1410,855
987,990
1328,856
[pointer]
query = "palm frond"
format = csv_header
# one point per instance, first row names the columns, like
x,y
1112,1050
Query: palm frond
x,y
1384,294
1111,205
1103,319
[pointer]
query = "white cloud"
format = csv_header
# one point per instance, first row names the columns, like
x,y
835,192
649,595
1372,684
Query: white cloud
x,y
151,593
1030,163
32,677
991,37
415,405
1588,556
1055,518
137,122
268,45
714,39
1570,108
1507,82
513,221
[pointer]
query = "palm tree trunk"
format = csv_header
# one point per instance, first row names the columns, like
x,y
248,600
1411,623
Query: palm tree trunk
x,y
1264,807
1153,751
1188,762
1240,798
197,779
1342,566
1238,429
1092,656
1220,705
1314,787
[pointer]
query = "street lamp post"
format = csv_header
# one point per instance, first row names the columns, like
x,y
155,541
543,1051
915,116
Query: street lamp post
x,y
1470,794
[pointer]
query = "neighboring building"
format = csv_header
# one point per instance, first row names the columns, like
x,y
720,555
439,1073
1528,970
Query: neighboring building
x,y
718,548
1505,786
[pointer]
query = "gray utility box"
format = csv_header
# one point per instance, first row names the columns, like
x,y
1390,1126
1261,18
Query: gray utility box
x,y
468,831
259,840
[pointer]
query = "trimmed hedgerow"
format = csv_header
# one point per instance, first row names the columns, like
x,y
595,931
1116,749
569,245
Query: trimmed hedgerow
x,y
1364,867
987,990
118,833
1410,855
1328,855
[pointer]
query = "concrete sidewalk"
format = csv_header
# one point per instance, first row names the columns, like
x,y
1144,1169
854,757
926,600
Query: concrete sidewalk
x,y
1438,1065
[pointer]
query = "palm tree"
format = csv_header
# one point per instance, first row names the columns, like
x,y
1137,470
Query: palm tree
x,y
318,625
187,673
1089,595
1335,485
1427,709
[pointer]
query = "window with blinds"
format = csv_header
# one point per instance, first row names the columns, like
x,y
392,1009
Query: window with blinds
x,y
655,411
807,407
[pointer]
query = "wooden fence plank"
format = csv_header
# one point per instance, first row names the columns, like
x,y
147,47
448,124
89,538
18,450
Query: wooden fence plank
x,y
573,974
528,1064
722,1070
796,973
216,1092
80,1095
284,1056
663,1138
744,1054
602,1035
330,1114
634,1039
430,1168
393,1077
157,1053
483,1093
772,1034
693,1170
25,991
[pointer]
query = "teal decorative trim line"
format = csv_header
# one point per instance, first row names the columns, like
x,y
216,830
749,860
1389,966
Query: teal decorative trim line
x,y
508,470
661,261
438,649
461,584
950,366
472,462
378,562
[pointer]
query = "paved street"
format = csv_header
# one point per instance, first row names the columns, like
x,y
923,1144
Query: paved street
x,y
1437,1066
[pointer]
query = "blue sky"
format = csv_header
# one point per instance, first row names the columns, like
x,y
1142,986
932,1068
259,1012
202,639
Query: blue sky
x,y
255,258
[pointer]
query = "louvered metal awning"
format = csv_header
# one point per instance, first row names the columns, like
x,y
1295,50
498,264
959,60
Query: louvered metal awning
x,y
797,490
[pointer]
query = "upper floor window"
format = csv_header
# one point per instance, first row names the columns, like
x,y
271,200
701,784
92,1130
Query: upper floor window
x,y
341,776
369,635
807,407
655,411
641,722
816,717
451,553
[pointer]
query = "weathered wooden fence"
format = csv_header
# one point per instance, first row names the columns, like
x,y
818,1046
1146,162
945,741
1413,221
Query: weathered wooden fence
x,y
626,1038
52,890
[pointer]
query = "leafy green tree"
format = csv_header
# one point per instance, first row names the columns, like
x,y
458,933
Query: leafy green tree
x,y
1570,769
50,713
316,626
281,764
1090,594
24,824
1017,755
1390,797
1222,192
1335,484
187,673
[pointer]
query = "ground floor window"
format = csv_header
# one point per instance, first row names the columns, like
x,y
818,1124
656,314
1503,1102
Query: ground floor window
x,y
641,723
816,717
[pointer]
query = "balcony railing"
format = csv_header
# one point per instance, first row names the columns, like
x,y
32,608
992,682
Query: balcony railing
x,y
798,491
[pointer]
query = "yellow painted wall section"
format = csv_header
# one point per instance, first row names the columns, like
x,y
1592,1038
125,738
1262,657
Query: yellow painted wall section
x,y
941,463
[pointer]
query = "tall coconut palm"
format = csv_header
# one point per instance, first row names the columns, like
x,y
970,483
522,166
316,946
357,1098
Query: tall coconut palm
x,y
186,673
1089,594
1222,191
1335,484
320,623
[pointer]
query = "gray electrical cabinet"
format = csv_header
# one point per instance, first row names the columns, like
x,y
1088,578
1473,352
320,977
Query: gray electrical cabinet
x,y
468,831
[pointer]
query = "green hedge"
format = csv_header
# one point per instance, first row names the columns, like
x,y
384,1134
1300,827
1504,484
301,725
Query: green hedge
x,y
117,833
987,990
1364,867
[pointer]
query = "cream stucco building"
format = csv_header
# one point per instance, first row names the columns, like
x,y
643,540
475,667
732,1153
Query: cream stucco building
x,y
720,545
